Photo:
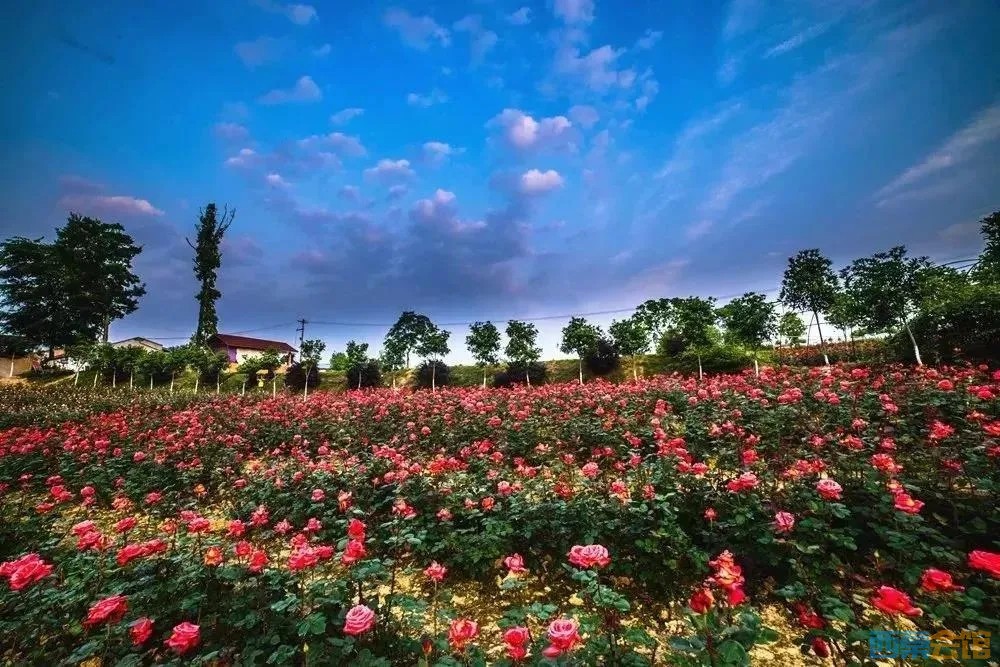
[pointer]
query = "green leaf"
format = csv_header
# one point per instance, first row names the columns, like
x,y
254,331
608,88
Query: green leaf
x,y
732,653
313,624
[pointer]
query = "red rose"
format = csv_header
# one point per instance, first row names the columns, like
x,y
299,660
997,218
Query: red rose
x,y
701,600
784,522
820,647
892,601
359,620
354,552
517,640
356,530
184,637
461,632
515,563
592,555
828,489
25,571
258,559
934,580
985,561
109,610
140,631
563,634
435,571
904,503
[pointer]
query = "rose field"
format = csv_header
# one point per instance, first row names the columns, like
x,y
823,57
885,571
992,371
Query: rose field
x,y
665,521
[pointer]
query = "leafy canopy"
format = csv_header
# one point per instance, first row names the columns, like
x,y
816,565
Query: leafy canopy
x,y
483,342
809,282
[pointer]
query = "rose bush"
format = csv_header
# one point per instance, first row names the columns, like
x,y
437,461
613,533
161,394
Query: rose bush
x,y
356,528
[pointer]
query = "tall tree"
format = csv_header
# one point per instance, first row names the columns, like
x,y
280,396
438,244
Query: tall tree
x,y
632,338
310,352
695,318
357,358
339,361
392,358
751,320
579,337
886,287
987,269
433,346
810,284
657,316
791,328
207,248
96,260
407,332
522,345
483,342
34,305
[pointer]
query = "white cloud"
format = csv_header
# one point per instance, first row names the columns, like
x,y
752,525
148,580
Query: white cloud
x,y
258,52
322,51
959,147
110,205
344,116
247,157
521,17
649,39
390,170
275,180
584,115
397,192
418,32
574,11
231,132
798,39
339,143
438,151
304,90
524,133
436,96
350,193
535,182
597,69
480,39
298,14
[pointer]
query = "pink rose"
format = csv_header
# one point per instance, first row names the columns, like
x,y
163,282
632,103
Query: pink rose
x,y
592,555
359,620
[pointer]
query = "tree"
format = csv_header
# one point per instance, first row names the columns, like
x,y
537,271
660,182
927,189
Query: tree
x,y
657,316
207,260
34,303
432,346
987,269
521,345
268,361
208,364
363,375
751,320
357,360
96,262
310,352
407,332
579,337
810,284
791,328
392,358
13,347
339,361
175,360
129,360
603,358
886,288
695,318
483,342
631,338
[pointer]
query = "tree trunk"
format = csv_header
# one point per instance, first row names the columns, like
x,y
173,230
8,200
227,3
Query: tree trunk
x,y
76,377
527,375
700,374
756,366
11,374
916,350
484,377
172,382
433,376
107,327
394,381
274,387
151,382
359,379
218,385
822,343
114,378
94,386
197,380
131,380
635,369
243,390
580,366
305,392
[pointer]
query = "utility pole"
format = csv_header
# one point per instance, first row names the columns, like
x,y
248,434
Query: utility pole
x,y
302,332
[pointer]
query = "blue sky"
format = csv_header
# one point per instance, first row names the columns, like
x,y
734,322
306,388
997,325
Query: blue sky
x,y
501,158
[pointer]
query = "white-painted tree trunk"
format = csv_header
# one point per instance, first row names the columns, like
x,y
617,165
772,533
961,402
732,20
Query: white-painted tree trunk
x,y
151,383
11,374
527,376
822,343
484,378
94,386
274,387
131,380
635,369
913,340
197,380
433,377
305,391
756,366
114,378
243,390
172,383
581,369
218,385
701,375
76,378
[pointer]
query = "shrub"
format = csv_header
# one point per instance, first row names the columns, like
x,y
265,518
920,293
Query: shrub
x,y
295,377
441,374
518,373
603,359
363,376
963,328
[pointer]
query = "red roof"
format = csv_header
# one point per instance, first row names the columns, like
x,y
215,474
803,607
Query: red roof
x,y
229,340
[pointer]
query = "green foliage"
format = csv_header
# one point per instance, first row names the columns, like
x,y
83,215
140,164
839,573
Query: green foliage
x,y
298,373
792,329
432,373
207,259
532,373
750,320
483,342
602,358
579,337
311,352
521,347
809,282
268,361
364,375
987,270
885,288
433,344
340,362
407,333
209,364
964,327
